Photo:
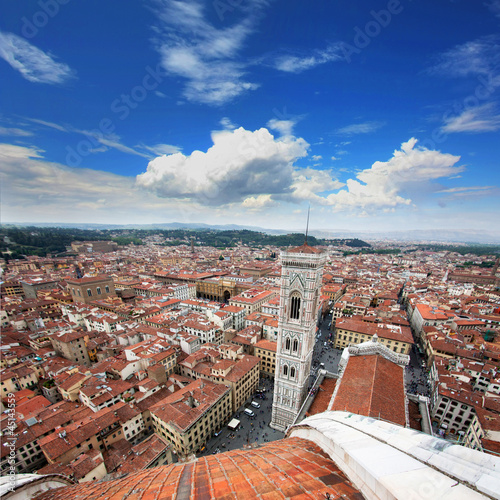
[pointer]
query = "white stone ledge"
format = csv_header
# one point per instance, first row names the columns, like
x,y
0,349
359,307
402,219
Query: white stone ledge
x,y
386,461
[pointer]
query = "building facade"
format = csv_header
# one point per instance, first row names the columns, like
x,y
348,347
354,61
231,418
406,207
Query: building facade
x,y
302,271
86,290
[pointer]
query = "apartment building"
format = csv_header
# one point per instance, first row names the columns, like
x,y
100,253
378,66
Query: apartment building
x,y
265,350
87,290
71,344
241,374
238,316
97,431
154,351
28,453
190,416
483,433
252,300
98,394
350,331
453,410
31,286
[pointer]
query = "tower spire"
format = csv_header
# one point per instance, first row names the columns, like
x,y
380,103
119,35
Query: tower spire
x,y
307,224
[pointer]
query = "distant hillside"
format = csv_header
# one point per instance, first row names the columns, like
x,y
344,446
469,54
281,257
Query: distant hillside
x,y
461,235
16,242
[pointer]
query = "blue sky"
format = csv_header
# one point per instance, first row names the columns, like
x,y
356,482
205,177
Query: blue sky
x,y
382,115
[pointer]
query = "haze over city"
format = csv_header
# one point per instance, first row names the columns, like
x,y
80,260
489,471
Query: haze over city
x,y
380,115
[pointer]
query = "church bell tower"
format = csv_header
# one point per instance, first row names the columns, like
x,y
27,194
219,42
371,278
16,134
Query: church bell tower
x,y
301,275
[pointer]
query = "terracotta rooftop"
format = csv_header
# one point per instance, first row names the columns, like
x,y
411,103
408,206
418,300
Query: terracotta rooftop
x,y
305,248
374,387
323,396
292,468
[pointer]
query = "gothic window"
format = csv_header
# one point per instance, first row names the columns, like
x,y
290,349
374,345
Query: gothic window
x,y
292,372
285,370
295,345
287,343
295,303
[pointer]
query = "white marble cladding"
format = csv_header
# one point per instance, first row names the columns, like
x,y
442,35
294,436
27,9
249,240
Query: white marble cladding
x,y
387,461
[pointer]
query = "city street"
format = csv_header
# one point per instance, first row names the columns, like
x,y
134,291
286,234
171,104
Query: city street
x,y
416,374
252,429
327,355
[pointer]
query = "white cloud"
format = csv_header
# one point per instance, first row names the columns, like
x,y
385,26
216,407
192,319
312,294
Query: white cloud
x,y
15,132
194,49
334,158
161,149
385,184
478,58
96,137
360,128
8,151
308,182
258,202
464,189
34,64
33,189
241,164
227,124
297,64
317,157
55,126
284,127
471,191
111,141
475,57
479,119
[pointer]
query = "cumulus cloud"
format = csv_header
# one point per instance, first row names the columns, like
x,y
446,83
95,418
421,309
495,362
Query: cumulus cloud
x,y
385,184
258,202
241,164
34,64
205,56
483,118
308,182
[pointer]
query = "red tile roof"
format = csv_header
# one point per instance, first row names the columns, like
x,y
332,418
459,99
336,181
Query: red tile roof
x,y
292,468
305,248
372,386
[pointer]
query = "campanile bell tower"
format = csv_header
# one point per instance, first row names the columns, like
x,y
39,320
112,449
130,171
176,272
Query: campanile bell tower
x,y
301,275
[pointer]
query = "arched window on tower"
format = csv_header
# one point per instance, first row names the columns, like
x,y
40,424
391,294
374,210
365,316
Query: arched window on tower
x,y
295,347
292,372
287,343
295,305
285,370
